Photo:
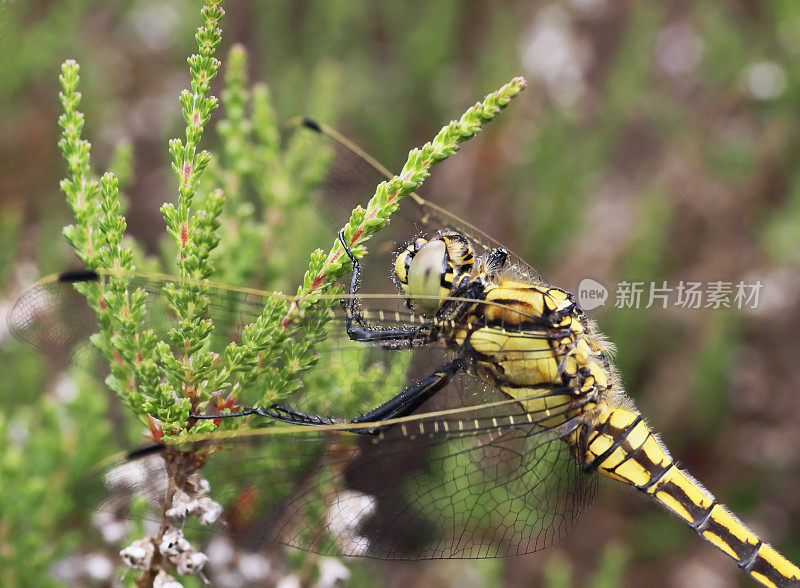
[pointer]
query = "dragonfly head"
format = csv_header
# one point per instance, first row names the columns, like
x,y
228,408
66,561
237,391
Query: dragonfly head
x,y
427,270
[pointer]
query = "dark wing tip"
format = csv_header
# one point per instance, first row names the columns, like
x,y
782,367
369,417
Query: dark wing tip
x,y
311,124
144,451
85,275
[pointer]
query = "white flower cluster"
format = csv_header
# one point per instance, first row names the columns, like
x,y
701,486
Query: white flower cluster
x,y
173,546
194,500
139,554
177,550
164,580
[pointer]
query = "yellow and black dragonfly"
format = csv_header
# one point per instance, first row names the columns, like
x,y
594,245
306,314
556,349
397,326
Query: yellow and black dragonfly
x,y
493,448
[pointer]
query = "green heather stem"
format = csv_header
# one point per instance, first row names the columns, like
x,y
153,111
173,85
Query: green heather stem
x,y
244,230
166,380
194,235
235,128
275,335
364,223
81,188
97,239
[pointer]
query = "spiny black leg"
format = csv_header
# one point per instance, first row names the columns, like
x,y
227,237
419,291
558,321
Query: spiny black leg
x,y
295,417
399,338
352,313
247,411
405,403
411,398
277,412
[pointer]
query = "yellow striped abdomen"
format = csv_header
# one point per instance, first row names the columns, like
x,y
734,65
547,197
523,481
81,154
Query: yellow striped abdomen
x,y
621,446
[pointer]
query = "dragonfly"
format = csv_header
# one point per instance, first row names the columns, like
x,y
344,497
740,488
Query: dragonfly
x,y
486,438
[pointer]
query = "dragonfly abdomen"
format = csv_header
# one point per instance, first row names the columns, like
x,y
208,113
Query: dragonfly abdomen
x,y
620,445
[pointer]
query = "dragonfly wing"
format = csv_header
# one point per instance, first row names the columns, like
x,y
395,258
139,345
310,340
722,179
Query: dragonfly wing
x,y
478,481
471,474
59,320
56,318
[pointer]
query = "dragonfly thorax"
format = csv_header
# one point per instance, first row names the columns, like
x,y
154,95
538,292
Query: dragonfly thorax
x,y
428,271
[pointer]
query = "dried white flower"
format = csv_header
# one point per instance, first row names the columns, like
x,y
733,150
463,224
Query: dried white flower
x,y
679,49
254,567
173,543
345,515
98,567
190,562
765,80
138,554
555,52
164,580
332,573
290,581
182,506
208,511
112,530
220,551
197,485
67,570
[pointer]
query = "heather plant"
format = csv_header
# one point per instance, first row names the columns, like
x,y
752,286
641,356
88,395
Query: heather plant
x,y
213,223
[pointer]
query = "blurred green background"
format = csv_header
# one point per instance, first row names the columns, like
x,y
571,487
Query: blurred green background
x,y
656,142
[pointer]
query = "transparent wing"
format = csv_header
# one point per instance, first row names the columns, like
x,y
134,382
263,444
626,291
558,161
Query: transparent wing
x,y
472,473
475,481
354,175
58,319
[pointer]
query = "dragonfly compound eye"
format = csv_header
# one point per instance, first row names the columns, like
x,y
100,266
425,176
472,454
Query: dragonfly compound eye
x,y
427,270
403,262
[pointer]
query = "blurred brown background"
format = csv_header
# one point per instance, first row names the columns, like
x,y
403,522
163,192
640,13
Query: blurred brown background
x,y
656,142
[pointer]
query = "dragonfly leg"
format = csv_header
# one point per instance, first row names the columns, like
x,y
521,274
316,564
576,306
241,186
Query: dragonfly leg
x,y
412,397
398,338
242,413
408,337
401,405
278,412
